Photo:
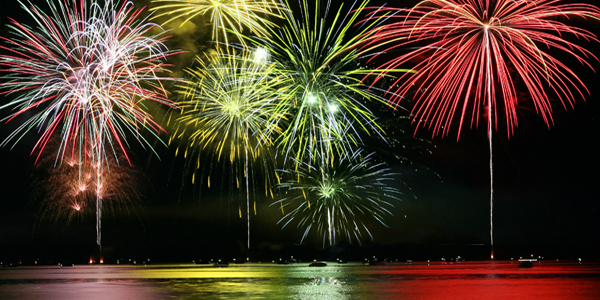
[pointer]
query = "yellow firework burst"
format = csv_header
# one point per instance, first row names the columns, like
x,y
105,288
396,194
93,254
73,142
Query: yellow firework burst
x,y
229,100
225,15
227,112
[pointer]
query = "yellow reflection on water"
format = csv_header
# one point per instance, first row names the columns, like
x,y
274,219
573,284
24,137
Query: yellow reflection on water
x,y
258,281
208,271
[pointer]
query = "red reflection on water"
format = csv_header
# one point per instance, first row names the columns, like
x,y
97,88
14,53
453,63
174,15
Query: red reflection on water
x,y
522,289
492,280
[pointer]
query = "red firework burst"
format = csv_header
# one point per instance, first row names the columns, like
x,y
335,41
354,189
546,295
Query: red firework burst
x,y
476,50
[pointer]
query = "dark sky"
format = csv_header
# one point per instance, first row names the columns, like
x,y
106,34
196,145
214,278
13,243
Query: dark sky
x,y
546,197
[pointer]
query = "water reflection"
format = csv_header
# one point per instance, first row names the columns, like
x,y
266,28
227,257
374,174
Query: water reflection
x,y
329,288
321,288
476,280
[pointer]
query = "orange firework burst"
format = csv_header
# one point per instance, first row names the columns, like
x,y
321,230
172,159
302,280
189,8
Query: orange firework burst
x,y
69,190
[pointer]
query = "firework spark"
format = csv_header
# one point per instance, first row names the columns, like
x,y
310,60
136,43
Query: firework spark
x,y
228,103
317,57
226,15
477,53
338,199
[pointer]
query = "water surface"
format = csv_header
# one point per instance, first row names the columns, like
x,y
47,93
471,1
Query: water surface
x,y
414,281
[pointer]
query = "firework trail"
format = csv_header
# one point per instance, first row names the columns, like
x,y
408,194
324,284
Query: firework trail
x,y
477,53
338,199
317,58
229,100
226,16
85,72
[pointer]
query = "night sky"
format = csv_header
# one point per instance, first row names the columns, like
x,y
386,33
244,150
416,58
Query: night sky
x,y
546,188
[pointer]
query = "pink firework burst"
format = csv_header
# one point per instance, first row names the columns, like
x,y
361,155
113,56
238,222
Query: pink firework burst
x,y
87,71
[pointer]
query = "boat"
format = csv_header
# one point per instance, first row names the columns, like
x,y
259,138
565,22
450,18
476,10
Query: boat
x,y
526,263
375,263
318,264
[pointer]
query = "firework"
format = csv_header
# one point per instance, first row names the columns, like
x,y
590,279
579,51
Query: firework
x,y
476,53
229,100
87,70
225,15
317,59
339,199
